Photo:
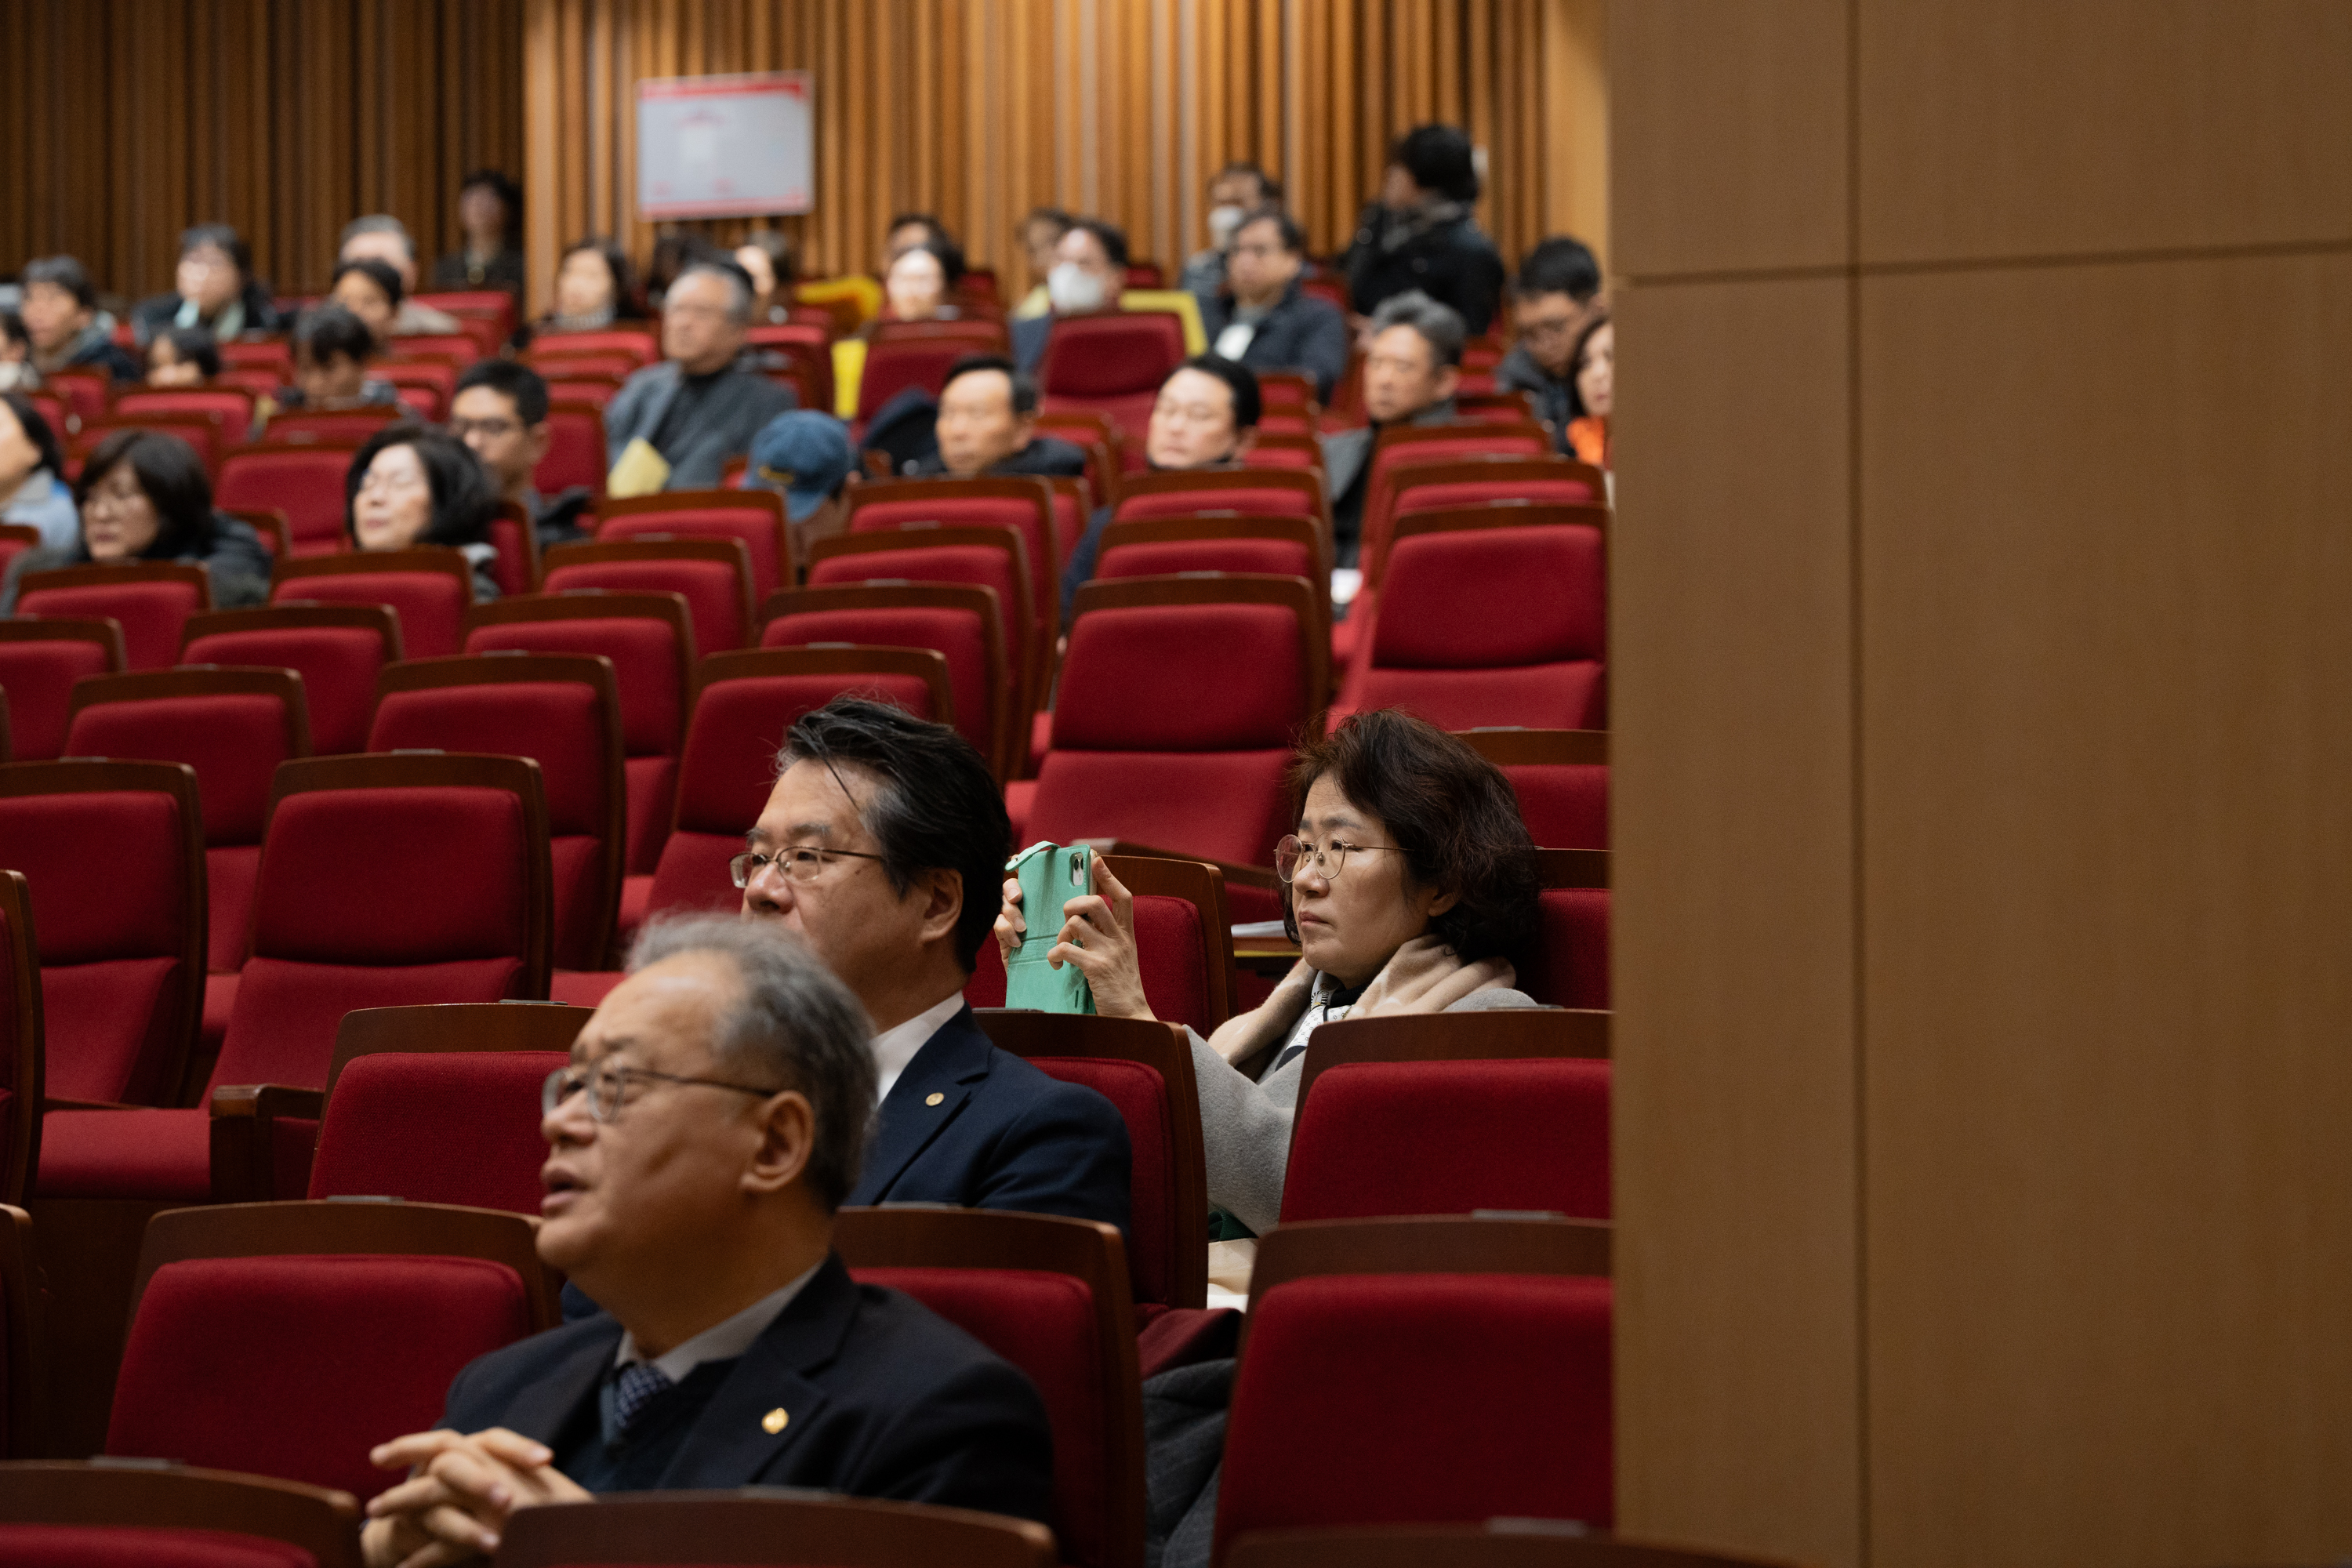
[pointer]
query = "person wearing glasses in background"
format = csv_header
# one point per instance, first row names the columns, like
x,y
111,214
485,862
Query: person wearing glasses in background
x,y
499,410
1553,301
707,1127
1411,887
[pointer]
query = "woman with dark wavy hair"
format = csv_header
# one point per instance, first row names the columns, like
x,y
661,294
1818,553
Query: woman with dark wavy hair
x,y
1411,887
145,497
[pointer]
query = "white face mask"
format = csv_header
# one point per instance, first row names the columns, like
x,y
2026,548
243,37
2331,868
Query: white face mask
x,y
1073,289
1223,221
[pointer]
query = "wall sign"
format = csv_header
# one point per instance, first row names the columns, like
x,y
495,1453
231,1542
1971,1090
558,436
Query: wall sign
x,y
724,146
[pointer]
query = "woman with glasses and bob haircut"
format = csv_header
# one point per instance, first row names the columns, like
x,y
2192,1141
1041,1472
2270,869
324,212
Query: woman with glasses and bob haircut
x,y
1411,887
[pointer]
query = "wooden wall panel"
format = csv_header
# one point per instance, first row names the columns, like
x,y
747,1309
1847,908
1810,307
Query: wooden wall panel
x,y
129,120
979,110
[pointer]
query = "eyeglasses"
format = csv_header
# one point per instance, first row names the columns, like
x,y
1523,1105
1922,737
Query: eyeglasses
x,y
493,428
608,1085
801,863
1294,855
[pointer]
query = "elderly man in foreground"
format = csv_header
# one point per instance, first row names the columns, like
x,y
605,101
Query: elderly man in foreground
x,y
711,1122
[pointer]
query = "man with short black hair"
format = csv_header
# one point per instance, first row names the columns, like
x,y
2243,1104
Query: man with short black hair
x,y
1419,235
1551,299
65,324
1411,366
499,410
711,1121
380,236
1268,321
883,846
702,405
987,424
1088,277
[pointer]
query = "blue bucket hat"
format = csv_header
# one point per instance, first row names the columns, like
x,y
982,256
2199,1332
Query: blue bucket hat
x,y
805,454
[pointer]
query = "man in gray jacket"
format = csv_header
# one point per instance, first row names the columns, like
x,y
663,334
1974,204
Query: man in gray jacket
x,y
701,405
1412,363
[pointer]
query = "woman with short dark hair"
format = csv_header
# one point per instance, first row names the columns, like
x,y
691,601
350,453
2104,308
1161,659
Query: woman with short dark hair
x,y
412,485
594,288
1411,887
182,356
145,495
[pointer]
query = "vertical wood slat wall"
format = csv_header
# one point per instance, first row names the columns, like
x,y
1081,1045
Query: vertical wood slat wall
x,y
126,120
979,110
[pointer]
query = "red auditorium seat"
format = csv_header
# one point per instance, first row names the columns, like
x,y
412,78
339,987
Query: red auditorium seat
x,y
649,640
85,392
1562,777
516,539
170,1516
898,358
1184,944
575,444
1489,615
345,424
429,587
1570,965
121,978
1162,546
229,408
1506,1327
337,649
1025,505
755,516
580,382
641,347
1252,492
563,710
805,350
304,480
56,410
1099,437
247,1326
1451,1114
200,433
39,662
990,558
452,853
20,1087
494,306
276,533
1050,1296
744,1527
456,348
1424,483
1272,453
1112,364
713,574
151,600
1186,756
441,1104
960,622
16,538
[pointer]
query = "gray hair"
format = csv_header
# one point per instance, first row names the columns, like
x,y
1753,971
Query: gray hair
x,y
1440,326
737,281
795,1026
375,223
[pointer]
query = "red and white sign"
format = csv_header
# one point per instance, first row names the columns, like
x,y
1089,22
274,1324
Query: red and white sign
x,y
724,146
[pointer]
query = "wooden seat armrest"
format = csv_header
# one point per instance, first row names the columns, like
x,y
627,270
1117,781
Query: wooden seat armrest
x,y
244,1143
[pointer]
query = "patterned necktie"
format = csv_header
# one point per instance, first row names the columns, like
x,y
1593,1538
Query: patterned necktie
x,y
635,1388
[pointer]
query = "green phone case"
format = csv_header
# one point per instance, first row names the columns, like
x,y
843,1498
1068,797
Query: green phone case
x,y
1050,876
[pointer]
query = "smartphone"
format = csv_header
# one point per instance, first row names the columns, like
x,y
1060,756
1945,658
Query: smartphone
x,y
1050,876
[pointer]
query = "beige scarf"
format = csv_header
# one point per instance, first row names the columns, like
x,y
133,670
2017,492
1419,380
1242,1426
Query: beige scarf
x,y
1424,975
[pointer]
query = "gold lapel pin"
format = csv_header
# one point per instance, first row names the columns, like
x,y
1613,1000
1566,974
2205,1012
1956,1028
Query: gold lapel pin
x,y
773,1421
934,1099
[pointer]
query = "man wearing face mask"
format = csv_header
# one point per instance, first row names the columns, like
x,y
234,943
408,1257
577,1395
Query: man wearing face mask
x,y
1237,190
1268,321
1089,276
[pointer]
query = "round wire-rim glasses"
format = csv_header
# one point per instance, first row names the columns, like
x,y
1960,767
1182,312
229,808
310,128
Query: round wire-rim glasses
x,y
1328,862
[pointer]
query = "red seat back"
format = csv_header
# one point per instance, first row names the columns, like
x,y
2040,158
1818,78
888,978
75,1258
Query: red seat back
x,y
575,448
958,623
1117,355
229,407
638,345
1160,558
713,575
353,425
516,540
1561,780
304,481
756,517
337,649
39,662
1025,506
428,588
894,365
1568,966
1252,501
151,602
990,558
458,1127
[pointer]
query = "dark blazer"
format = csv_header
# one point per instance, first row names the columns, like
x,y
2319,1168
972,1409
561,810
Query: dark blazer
x,y
1301,332
882,1399
1003,1135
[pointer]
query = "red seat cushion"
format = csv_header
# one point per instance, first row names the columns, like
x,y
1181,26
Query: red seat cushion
x,y
1568,966
337,666
1451,1137
576,449
151,614
229,876
430,605
712,590
1493,1392
129,1546
39,678
247,1364
437,1128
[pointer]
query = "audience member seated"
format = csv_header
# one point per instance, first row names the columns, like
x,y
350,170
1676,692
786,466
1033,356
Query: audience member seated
x,y
595,289
32,475
1420,233
414,485
1268,321
1236,192
988,425
687,415
67,329
879,846
382,238
1040,235
371,290
1411,365
182,356
331,351
1206,414
806,457
489,211
767,255
711,1125
16,372
1089,276
1552,297
499,410
215,290
1595,362
673,254
919,285
909,230
1410,887
145,495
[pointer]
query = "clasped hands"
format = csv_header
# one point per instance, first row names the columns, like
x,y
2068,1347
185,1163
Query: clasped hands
x,y
460,1491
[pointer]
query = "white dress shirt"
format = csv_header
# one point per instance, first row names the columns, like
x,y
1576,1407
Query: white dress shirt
x,y
722,1341
895,1046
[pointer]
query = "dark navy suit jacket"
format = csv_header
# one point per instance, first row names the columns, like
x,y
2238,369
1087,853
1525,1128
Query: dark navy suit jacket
x,y
882,1398
1002,1135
